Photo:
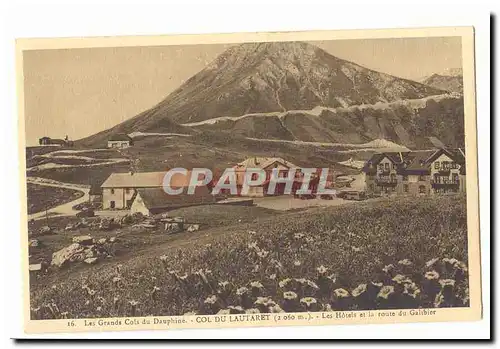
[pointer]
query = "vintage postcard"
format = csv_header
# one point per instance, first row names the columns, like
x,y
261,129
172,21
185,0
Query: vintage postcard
x,y
265,179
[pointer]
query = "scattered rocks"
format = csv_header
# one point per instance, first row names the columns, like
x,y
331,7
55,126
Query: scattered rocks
x,y
173,227
34,243
101,241
45,230
35,267
71,253
83,240
91,260
193,227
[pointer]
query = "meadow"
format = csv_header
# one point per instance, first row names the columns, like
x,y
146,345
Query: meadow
x,y
42,197
391,253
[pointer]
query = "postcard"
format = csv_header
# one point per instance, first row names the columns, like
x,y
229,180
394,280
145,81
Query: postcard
x,y
249,179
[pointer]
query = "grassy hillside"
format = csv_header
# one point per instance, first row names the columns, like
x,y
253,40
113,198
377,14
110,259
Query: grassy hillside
x,y
42,198
325,266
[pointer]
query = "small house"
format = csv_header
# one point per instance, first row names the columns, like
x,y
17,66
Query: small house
x,y
120,141
151,201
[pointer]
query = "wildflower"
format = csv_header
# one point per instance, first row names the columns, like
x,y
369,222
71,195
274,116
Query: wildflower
x,y
252,311
190,313
341,293
163,258
133,303
309,239
322,269
276,309
208,271
101,299
400,279
298,236
236,308
430,263
284,282
183,277
117,279
211,299
439,300
447,282
253,246
264,301
385,292
241,291
297,263
64,314
332,277
450,261
359,290
223,284
208,245
272,276
290,295
308,301
98,308
377,284
118,268
411,290
256,268
301,281
432,275
156,289
405,262
356,249
87,302
92,292
388,268
224,312
461,266
326,307
256,284
262,254
54,287
116,299
251,232
312,284
153,278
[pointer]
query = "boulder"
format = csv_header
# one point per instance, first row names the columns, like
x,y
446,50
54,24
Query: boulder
x,y
45,230
112,239
35,267
101,241
34,243
173,227
91,260
105,225
71,253
193,227
90,252
83,240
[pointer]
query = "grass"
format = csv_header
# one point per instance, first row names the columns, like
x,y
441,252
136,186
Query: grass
x,y
42,197
328,258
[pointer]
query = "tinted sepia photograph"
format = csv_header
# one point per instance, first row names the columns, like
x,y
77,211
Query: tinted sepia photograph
x,y
277,178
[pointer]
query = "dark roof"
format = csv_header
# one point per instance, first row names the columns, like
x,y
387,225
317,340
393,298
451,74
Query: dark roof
x,y
120,137
395,157
155,198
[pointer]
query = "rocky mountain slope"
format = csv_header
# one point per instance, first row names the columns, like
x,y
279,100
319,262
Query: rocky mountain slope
x,y
296,91
450,83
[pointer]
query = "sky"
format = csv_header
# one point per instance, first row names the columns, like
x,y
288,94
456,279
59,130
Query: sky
x,y
79,92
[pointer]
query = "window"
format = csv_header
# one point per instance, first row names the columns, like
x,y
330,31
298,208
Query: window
x,y
405,178
254,176
381,167
405,188
421,178
112,203
393,177
394,166
436,165
421,189
112,191
455,178
387,166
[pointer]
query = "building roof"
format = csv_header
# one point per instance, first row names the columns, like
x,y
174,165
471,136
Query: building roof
x,y
120,137
143,180
263,162
414,162
157,198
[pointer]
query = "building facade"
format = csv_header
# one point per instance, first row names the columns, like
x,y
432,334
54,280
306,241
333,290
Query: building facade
x,y
416,172
120,141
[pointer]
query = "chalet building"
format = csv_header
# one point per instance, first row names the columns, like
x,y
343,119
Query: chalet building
x,y
119,190
151,201
416,172
268,164
55,142
120,141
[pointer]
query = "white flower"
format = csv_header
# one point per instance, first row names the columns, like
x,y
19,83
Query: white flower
x,y
308,301
341,293
211,299
262,254
256,284
242,290
224,312
359,290
298,236
290,295
272,276
405,262
385,292
400,279
297,263
432,275
284,282
430,263
447,282
322,269
388,268
252,311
